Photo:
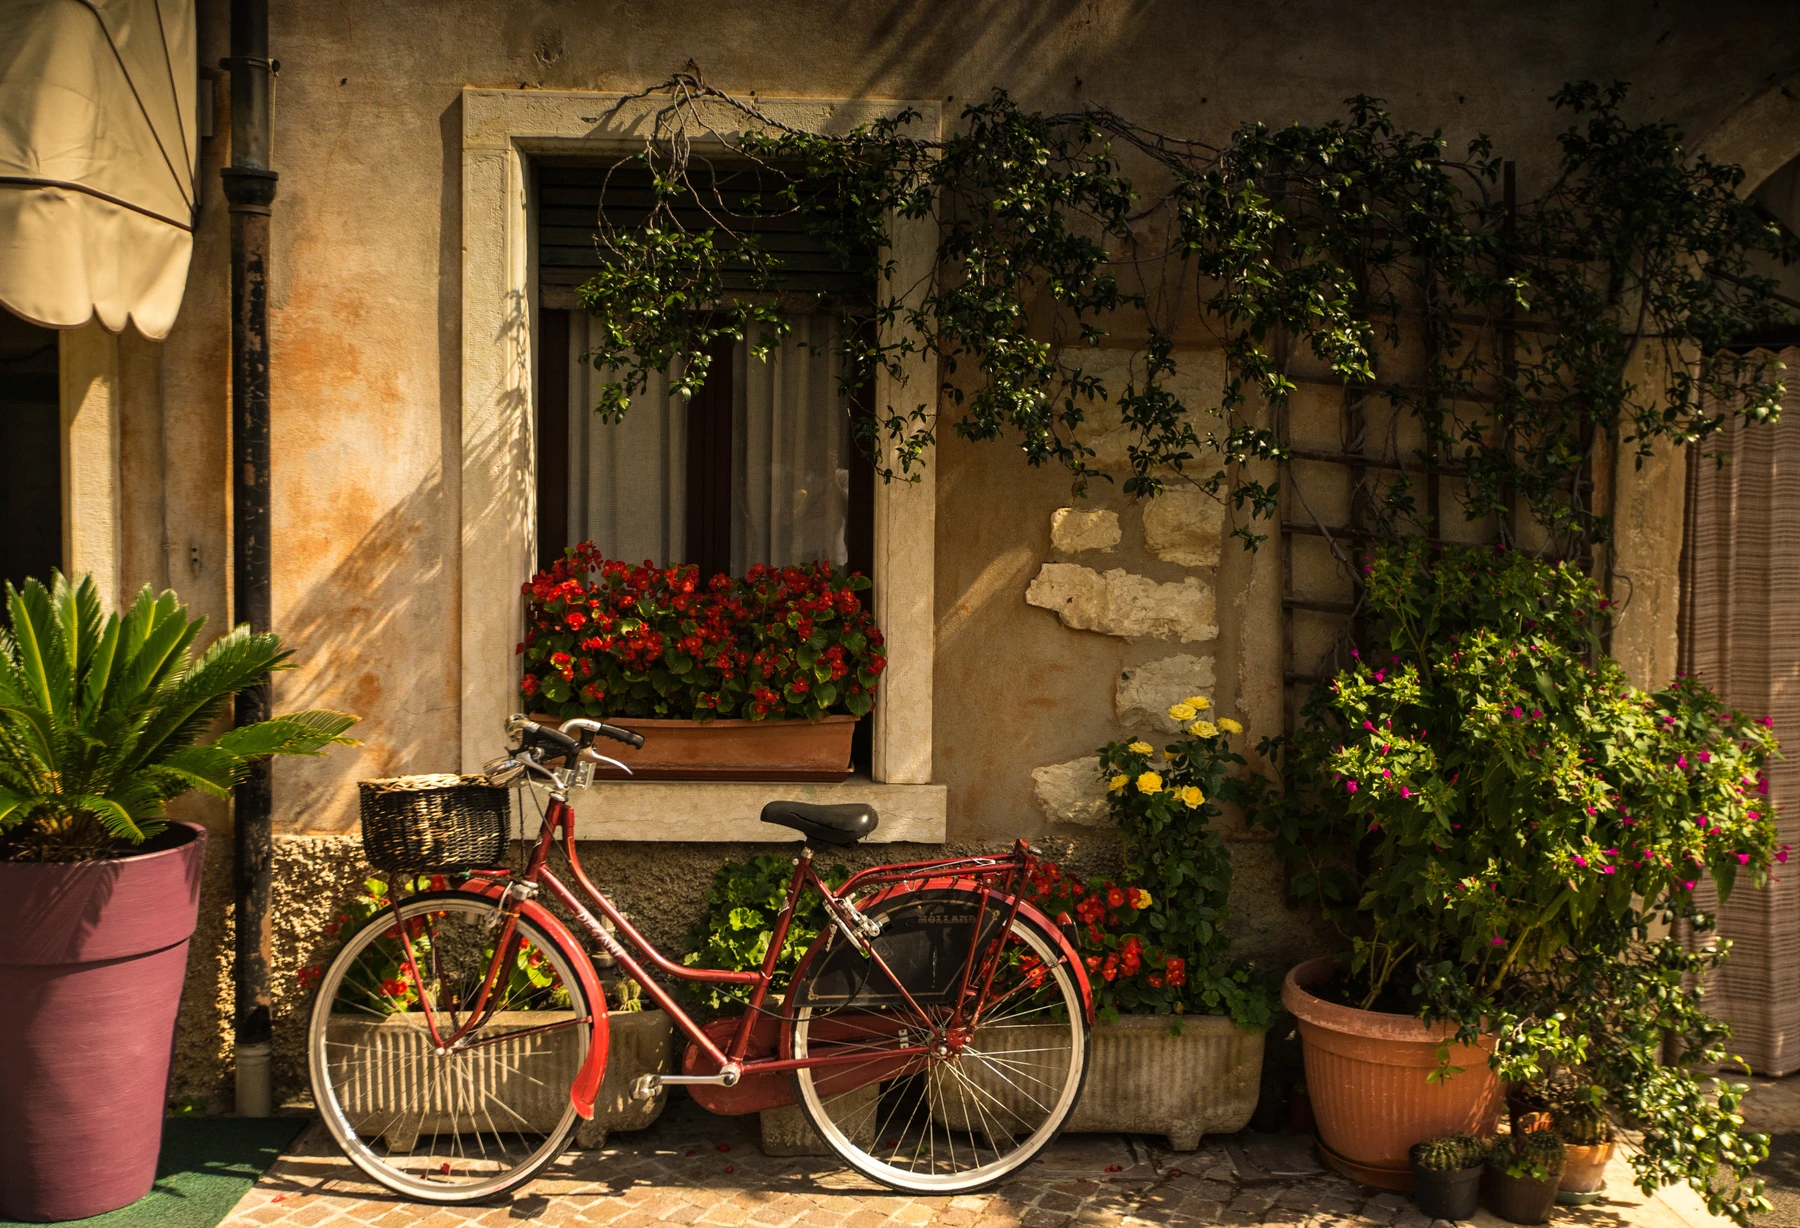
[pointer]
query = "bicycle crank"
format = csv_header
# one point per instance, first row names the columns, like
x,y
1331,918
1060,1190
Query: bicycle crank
x,y
645,1087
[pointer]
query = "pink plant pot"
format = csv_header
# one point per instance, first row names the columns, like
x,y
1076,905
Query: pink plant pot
x,y
90,972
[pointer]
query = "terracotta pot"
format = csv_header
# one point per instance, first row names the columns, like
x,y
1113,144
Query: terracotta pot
x,y
1584,1172
730,750
1448,1195
91,973
1519,1199
1366,1075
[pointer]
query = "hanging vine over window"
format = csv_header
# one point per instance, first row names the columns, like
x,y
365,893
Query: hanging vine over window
x,y
1525,338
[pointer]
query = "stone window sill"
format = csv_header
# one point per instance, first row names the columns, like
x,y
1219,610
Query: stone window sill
x,y
725,810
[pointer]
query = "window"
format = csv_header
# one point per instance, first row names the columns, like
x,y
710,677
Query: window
x,y
759,467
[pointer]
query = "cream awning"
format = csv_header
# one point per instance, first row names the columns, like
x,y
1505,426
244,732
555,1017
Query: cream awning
x,y
97,147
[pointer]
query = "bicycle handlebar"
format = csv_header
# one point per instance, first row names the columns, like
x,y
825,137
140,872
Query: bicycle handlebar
x,y
559,741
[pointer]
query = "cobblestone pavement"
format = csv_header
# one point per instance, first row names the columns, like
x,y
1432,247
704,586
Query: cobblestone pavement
x,y
693,1168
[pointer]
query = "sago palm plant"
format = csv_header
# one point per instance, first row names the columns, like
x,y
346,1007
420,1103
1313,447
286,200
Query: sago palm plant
x,y
104,718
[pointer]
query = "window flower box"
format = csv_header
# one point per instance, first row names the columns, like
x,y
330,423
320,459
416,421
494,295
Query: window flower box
x,y
762,677
731,749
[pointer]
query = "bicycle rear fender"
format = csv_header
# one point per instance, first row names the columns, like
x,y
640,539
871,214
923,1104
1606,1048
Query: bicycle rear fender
x,y
997,900
588,1079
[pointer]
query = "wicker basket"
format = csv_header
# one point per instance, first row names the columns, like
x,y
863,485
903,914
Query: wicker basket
x,y
434,823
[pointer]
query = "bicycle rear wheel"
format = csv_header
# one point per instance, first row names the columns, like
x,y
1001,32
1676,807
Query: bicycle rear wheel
x,y
467,1122
987,1095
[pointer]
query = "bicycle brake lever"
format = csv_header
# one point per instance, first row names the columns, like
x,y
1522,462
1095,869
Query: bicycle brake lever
x,y
592,754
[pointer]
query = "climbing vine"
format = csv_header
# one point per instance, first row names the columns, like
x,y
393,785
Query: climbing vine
x,y
1523,339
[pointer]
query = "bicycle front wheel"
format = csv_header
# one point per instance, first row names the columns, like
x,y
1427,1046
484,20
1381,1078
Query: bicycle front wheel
x,y
996,1080
457,1122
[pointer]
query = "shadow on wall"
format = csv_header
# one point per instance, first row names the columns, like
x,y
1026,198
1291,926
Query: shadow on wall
x,y
379,635
917,33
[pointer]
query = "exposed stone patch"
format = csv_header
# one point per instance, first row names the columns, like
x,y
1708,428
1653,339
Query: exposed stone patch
x,y
1072,532
1145,691
1071,792
1197,382
1185,526
1119,603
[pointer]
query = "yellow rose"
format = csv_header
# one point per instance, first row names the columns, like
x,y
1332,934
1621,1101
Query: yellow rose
x,y
1149,782
1203,729
1139,748
1198,703
1183,713
1117,783
1191,797
1229,725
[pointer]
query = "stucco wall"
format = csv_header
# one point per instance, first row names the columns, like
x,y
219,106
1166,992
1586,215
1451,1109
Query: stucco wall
x,y
365,310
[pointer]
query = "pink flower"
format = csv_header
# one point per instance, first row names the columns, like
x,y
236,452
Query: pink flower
x,y
1706,756
1518,713
1537,714
1580,860
1781,856
1743,859
1405,792
1350,785
1498,941
1682,763
1386,772
1688,886
1590,811
1767,722
1606,869
1369,725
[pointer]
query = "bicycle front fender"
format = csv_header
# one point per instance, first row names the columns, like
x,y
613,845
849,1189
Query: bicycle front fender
x,y
586,1087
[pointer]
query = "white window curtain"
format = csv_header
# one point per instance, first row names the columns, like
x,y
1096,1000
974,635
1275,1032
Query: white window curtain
x,y
628,479
790,451
791,455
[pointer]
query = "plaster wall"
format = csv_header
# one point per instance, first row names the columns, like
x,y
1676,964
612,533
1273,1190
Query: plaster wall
x,y
366,314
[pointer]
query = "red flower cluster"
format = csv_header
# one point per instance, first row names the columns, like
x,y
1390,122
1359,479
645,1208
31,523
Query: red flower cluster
x,y
604,638
1132,972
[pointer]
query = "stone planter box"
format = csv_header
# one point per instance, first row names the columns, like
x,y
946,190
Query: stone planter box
x,y
786,1132
1142,1080
730,750
640,1044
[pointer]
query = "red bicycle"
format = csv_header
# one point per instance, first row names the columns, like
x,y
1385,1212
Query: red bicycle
x,y
935,1034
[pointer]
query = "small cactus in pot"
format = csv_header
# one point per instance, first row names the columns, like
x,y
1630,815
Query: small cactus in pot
x,y
1523,1172
1447,1176
1585,1126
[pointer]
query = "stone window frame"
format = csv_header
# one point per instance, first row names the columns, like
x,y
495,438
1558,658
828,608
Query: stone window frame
x,y
501,131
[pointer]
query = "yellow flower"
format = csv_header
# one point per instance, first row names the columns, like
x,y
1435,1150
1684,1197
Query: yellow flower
x,y
1229,725
1183,713
1198,703
1149,782
1143,900
1191,797
1139,748
1203,729
1117,782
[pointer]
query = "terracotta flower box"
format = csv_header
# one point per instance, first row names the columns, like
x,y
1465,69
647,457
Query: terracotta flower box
x,y
730,750
1141,1079
640,1044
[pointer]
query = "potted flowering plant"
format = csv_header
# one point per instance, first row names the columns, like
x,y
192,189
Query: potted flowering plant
x,y
777,665
1495,817
1177,1044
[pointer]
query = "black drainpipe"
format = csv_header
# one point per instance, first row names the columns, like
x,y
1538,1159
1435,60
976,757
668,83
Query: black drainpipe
x,y
250,189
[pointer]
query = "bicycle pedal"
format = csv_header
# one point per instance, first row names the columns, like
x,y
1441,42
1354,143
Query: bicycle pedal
x,y
646,1087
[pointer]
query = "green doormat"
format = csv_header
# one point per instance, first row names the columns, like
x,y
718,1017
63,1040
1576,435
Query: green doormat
x,y
207,1164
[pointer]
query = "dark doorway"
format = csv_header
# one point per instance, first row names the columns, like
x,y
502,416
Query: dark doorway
x,y
30,451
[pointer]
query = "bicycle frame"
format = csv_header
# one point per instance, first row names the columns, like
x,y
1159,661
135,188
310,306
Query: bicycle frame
x,y
732,1061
